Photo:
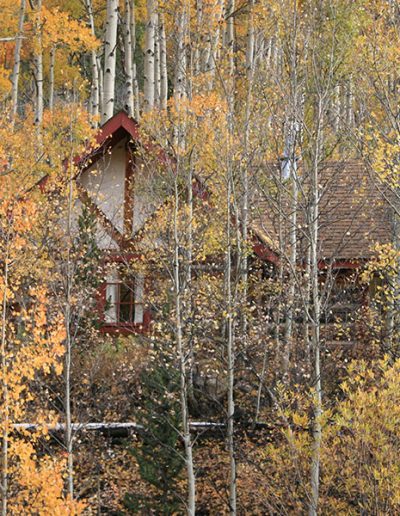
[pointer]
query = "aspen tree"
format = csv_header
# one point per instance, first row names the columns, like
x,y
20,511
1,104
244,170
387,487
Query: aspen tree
x,y
230,326
51,84
210,57
95,94
129,59
230,34
180,65
315,312
17,61
110,55
38,64
182,292
289,173
157,64
134,68
250,71
163,64
149,86
191,500
5,397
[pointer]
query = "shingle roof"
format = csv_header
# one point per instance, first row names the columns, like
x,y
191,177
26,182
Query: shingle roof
x,y
353,212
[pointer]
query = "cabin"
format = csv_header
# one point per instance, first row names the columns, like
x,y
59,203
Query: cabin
x,y
112,185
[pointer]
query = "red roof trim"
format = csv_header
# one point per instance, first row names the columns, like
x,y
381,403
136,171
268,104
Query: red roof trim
x,y
118,121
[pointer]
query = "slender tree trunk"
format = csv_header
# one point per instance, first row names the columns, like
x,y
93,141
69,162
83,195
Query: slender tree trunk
x,y
95,89
230,35
134,71
52,66
128,61
315,323
110,51
38,66
17,62
349,103
180,67
149,56
4,385
229,326
157,64
69,338
163,65
246,161
198,39
191,501
212,50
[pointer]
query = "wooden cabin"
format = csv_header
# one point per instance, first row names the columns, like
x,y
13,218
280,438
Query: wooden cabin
x,y
353,217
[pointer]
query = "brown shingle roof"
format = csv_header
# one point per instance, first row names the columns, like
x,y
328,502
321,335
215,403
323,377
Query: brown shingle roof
x,y
353,213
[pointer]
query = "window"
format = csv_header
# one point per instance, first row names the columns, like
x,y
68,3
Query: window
x,y
124,300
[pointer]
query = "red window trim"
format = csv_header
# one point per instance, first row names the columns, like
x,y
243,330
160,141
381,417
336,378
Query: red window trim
x,y
120,328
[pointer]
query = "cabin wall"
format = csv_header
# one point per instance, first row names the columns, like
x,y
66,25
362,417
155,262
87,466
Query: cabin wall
x,y
105,183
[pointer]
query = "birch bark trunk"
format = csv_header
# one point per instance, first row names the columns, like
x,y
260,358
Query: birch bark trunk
x,y
230,34
17,62
68,437
231,364
38,66
149,56
157,64
110,50
4,382
291,161
95,89
315,322
128,61
191,500
163,65
51,85
134,71
229,326
180,67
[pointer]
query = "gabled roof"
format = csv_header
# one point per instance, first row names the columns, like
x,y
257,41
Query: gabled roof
x,y
112,132
353,213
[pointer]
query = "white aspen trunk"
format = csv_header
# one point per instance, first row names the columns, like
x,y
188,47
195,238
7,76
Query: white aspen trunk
x,y
157,64
191,500
315,322
212,50
17,62
349,103
110,50
134,72
246,161
101,85
230,35
68,437
163,65
128,61
290,160
51,86
198,40
4,385
231,364
180,67
149,57
229,327
336,108
38,67
136,93
95,88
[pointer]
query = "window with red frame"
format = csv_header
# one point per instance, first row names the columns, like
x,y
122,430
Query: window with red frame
x,y
124,301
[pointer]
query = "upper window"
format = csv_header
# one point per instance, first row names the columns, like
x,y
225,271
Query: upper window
x,y
124,300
